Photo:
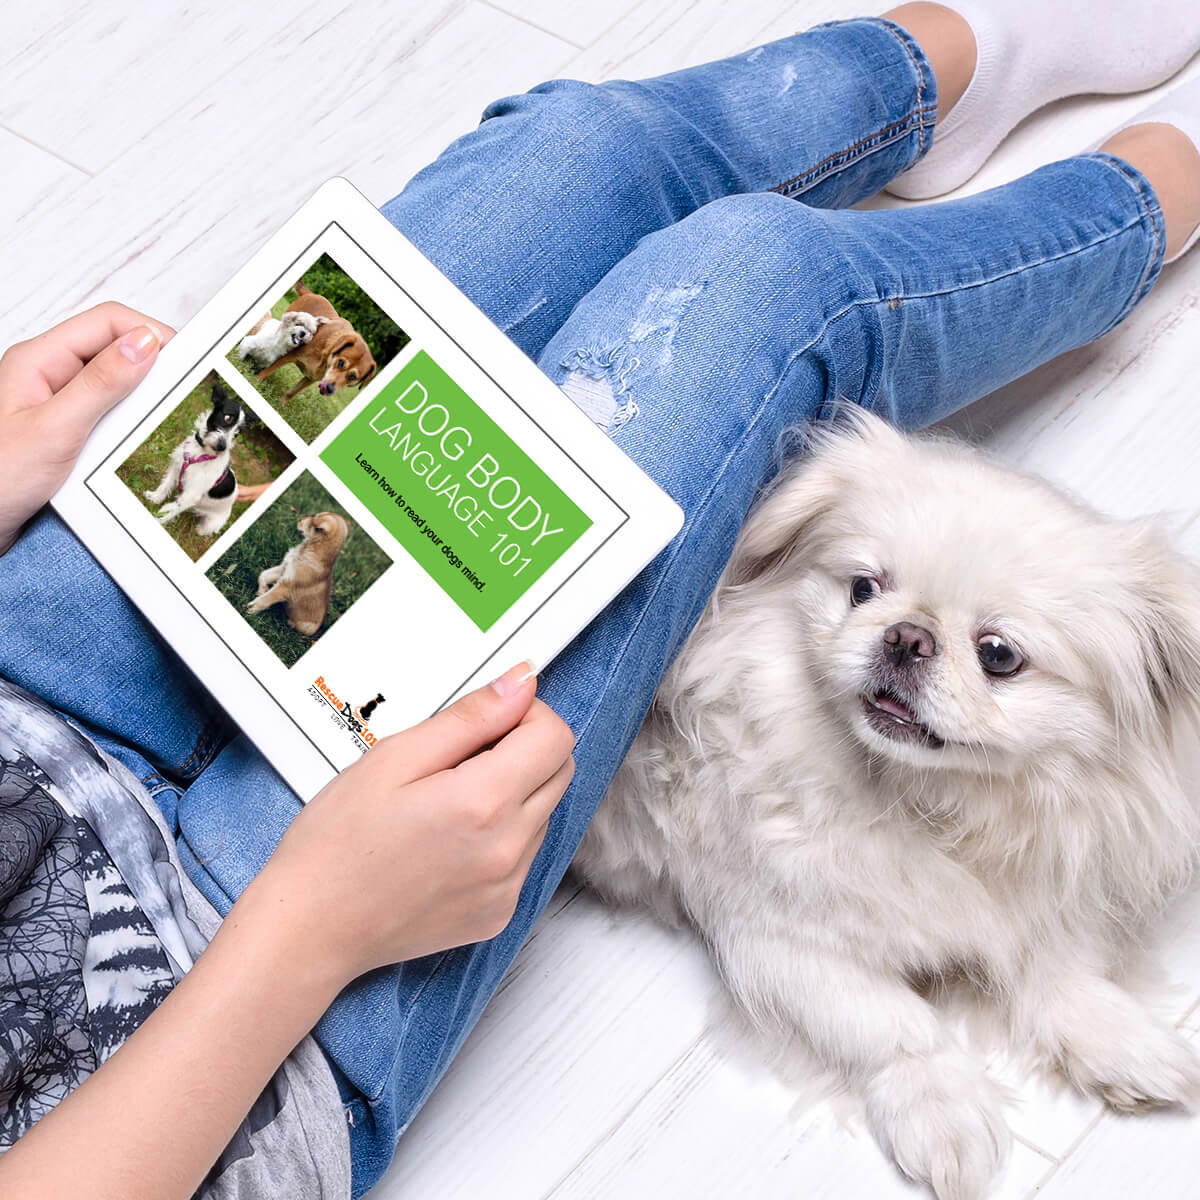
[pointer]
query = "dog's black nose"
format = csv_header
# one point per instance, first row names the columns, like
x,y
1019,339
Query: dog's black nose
x,y
905,641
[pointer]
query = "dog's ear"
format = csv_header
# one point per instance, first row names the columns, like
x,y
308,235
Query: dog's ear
x,y
321,321
219,394
342,347
808,488
362,383
1166,614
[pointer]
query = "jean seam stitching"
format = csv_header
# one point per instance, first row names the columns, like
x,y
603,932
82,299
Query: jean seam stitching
x,y
902,35
829,164
1148,216
202,748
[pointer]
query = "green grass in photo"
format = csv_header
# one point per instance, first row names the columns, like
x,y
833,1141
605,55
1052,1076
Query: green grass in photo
x,y
235,573
308,412
258,456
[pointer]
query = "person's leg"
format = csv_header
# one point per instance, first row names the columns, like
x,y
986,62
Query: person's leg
x,y
529,211
526,213
764,315
1163,142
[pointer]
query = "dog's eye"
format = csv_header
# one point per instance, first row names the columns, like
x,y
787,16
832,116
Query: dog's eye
x,y
862,588
998,657
341,364
352,376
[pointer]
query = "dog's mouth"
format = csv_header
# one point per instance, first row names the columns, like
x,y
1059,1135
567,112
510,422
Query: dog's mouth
x,y
891,715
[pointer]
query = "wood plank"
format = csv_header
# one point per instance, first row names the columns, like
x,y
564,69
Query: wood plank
x,y
165,239
579,22
712,1129
89,80
43,180
594,1009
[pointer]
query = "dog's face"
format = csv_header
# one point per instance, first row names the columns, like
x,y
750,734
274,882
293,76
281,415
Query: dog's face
x,y
325,528
349,364
216,429
952,614
298,327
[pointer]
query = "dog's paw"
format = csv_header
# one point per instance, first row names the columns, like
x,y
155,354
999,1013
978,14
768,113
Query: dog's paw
x,y
939,1117
1143,1066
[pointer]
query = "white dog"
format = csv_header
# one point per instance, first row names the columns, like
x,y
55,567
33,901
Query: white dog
x,y
274,337
933,725
199,473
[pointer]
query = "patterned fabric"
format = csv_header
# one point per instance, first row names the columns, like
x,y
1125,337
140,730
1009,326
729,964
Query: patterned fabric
x,y
97,924
45,1050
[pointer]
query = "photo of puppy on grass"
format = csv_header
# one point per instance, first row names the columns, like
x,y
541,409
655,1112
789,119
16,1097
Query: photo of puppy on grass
x,y
187,472
298,568
321,342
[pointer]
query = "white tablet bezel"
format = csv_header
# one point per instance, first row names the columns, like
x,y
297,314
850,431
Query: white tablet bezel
x,y
649,517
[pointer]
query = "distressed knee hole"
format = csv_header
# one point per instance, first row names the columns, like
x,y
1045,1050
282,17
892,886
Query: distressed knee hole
x,y
598,384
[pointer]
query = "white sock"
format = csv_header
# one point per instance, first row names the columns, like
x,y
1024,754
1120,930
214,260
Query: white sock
x,y
1181,108
1032,52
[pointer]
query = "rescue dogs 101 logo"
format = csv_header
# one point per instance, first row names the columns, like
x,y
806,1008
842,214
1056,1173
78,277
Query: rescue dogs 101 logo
x,y
344,714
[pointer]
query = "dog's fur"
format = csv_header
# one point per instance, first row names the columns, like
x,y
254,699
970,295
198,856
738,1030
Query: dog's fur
x,y
335,357
272,337
207,489
305,577
847,806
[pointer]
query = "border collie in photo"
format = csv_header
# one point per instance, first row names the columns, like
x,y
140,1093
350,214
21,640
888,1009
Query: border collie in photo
x,y
199,475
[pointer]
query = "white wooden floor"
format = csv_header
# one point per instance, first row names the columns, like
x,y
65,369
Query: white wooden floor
x,y
601,1069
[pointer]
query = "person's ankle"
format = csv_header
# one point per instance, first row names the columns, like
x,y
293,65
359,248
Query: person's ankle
x,y
1169,160
948,43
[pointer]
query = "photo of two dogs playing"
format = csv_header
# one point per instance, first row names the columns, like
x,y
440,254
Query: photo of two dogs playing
x,y
313,351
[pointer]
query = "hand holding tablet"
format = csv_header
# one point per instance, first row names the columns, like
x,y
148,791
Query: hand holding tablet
x,y
340,389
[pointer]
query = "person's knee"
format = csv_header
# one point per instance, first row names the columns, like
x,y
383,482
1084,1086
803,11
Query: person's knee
x,y
583,124
749,293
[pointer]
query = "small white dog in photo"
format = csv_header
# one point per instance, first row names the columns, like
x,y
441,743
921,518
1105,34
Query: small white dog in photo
x,y
199,474
937,724
273,337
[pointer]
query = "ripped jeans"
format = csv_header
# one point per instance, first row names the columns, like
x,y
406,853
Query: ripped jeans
x,y
678,255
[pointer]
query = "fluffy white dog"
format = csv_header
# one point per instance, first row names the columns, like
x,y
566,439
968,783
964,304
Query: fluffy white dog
x,y
273,337
933,725
199,474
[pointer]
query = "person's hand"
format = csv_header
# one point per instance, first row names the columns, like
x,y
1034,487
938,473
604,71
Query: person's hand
x,y
248,492
425,842
53,389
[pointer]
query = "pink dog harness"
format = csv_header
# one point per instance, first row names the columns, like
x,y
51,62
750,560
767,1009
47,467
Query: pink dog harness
x,y
188,461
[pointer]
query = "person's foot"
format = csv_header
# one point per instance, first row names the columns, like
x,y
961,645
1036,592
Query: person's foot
x,y
1032,52
1163,142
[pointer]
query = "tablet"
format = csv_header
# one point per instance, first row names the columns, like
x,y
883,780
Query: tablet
x,y
344,497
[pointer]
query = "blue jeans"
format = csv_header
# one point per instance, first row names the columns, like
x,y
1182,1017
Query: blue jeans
x,y
677,253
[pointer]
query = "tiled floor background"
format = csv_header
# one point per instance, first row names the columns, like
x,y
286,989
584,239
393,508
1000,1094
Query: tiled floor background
x,y
132,170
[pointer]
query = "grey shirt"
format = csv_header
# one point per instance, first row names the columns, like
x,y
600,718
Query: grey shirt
x,y
98,921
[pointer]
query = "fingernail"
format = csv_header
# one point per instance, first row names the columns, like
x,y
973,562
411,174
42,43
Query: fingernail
x,y
138,344
514,679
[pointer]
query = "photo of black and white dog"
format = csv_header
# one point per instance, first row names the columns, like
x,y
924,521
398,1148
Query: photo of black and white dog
x,y
199,477
206,463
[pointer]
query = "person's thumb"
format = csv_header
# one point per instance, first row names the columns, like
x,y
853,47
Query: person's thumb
x,y
468,725
104,380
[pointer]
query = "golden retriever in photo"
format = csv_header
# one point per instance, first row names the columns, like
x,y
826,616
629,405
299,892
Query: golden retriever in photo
x,y
305,577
